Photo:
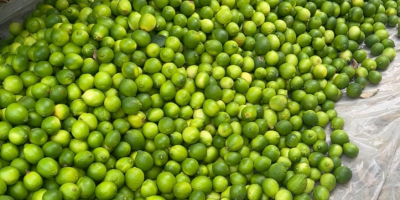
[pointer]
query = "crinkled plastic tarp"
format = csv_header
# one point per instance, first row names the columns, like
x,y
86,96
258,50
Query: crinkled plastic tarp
x,y
15,11
373,124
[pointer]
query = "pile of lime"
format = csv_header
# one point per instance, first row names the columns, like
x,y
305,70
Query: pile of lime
x,y
175,99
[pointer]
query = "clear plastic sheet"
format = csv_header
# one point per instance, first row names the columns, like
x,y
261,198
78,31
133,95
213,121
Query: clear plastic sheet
x,y
373,124
15,11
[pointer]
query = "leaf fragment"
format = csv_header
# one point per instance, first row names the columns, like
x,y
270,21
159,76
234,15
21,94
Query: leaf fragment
x,y
354,63
369,94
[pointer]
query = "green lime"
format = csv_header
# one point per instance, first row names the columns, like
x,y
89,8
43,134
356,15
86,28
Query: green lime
x,y
277,171
262,164
335,150
13,84
134,178
47,167
96,171
309,137
67,158
329,181
166,182
374,77
86,187
15,28
9,175
32,181
350,150
70,191
343,174
52,194
18,191
382,62
297,183
18,136
202,183
321,192
33,153
339,137
310,118
270,187
278,102
67,175
9,151
149,188
173,167
144,161
325,164
182,190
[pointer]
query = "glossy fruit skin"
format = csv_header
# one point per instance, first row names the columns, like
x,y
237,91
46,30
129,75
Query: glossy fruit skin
x,y
164,99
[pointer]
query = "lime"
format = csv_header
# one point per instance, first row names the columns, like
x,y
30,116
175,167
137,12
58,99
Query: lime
x,y
277,171
284,127
284,9
309,137
190,135
182,190
19,63
86,187
16,114
18,136
66,175
278,102
80,37
382,62
166,182
329,181
389,52
96,171
335,150
270,187
134,178
224,15
374,77
9,175
325,164
202,183
339,137
238,191
32,181
297,183
70,191
38,136
310,118
350,150
51,125
15,28
220,168
144,161
147,22
33,153
52,194
13,84
9,151
294,154
149,188
66,158
321,192
59,37
18,191
262,163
